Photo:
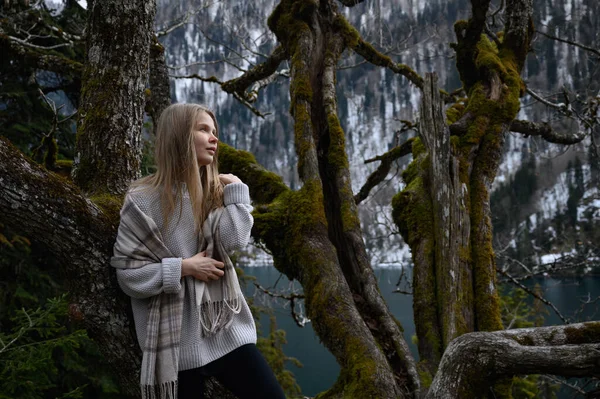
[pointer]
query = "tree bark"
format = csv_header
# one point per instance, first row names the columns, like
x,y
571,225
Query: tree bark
x,y
474,362
450,236
314,43
80,235
159,97
112,99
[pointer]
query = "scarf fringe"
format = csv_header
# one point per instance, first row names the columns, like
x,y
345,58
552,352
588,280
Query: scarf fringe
x,y
166,390
216,316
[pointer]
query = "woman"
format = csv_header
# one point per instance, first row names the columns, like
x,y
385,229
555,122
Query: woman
x,y
177,228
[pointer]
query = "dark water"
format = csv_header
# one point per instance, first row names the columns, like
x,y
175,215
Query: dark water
x,y
320,368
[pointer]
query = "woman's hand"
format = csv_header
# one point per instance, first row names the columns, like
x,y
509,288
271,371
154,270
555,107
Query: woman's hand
x,y
202,268
229,178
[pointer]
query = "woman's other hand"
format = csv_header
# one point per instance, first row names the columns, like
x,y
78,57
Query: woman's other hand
x,y
201,267
229,178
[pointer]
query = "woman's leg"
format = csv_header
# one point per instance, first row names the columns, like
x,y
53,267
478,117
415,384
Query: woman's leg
x,y
190,384
245,373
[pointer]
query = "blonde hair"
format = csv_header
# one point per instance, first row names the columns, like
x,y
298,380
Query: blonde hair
x,y
176,163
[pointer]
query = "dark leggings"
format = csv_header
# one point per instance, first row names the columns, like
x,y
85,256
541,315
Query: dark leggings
x,y
243,371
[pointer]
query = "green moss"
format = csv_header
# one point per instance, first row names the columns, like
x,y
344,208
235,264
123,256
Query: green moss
x,y
454,144
424,375
455,112
350,34
337,143
302,123
289,18
589,333
110,205
264,185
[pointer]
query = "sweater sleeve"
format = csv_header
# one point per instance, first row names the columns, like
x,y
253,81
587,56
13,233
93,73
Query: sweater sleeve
x,y
152,279
236,222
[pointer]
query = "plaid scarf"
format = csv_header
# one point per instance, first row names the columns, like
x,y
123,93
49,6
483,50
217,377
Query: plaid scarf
x,y
139,243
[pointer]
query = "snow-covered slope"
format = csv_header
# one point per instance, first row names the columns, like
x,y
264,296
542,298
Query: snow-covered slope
x,y
371,100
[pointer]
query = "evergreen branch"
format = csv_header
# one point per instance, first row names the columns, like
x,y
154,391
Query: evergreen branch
x,y
384,168
534,294
544,130
581,46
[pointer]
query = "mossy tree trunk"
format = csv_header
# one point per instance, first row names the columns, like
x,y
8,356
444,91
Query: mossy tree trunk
x,y
343,299
444,211
112,103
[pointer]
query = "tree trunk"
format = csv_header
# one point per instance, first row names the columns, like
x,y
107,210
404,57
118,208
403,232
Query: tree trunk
x,y
111,111
80,235
444,212
159,97
314,43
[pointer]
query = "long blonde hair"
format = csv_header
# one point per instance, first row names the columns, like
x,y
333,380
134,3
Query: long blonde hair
x,y
176,163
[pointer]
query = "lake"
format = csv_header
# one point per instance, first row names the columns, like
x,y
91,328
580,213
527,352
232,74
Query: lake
x,y
320,368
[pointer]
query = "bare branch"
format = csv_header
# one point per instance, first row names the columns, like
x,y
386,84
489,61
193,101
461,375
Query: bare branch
x,y
561,107
576,44
35,46
242,56
183,20
257,73
535,295
298,318
213,79
203,63
384,168
546,132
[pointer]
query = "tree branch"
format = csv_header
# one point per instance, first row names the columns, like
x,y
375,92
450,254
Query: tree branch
x,y
80,235
299,319
262,74
581,46
47,62
369,53
474,362
534,294
384,168
255,74
545,131
182,21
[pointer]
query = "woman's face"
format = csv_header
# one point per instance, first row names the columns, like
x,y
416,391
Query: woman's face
x,y
205,139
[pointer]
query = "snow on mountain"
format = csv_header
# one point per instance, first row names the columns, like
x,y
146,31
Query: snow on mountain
x,y
371,100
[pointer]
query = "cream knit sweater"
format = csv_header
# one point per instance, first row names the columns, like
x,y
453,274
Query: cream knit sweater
x,y
180,237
